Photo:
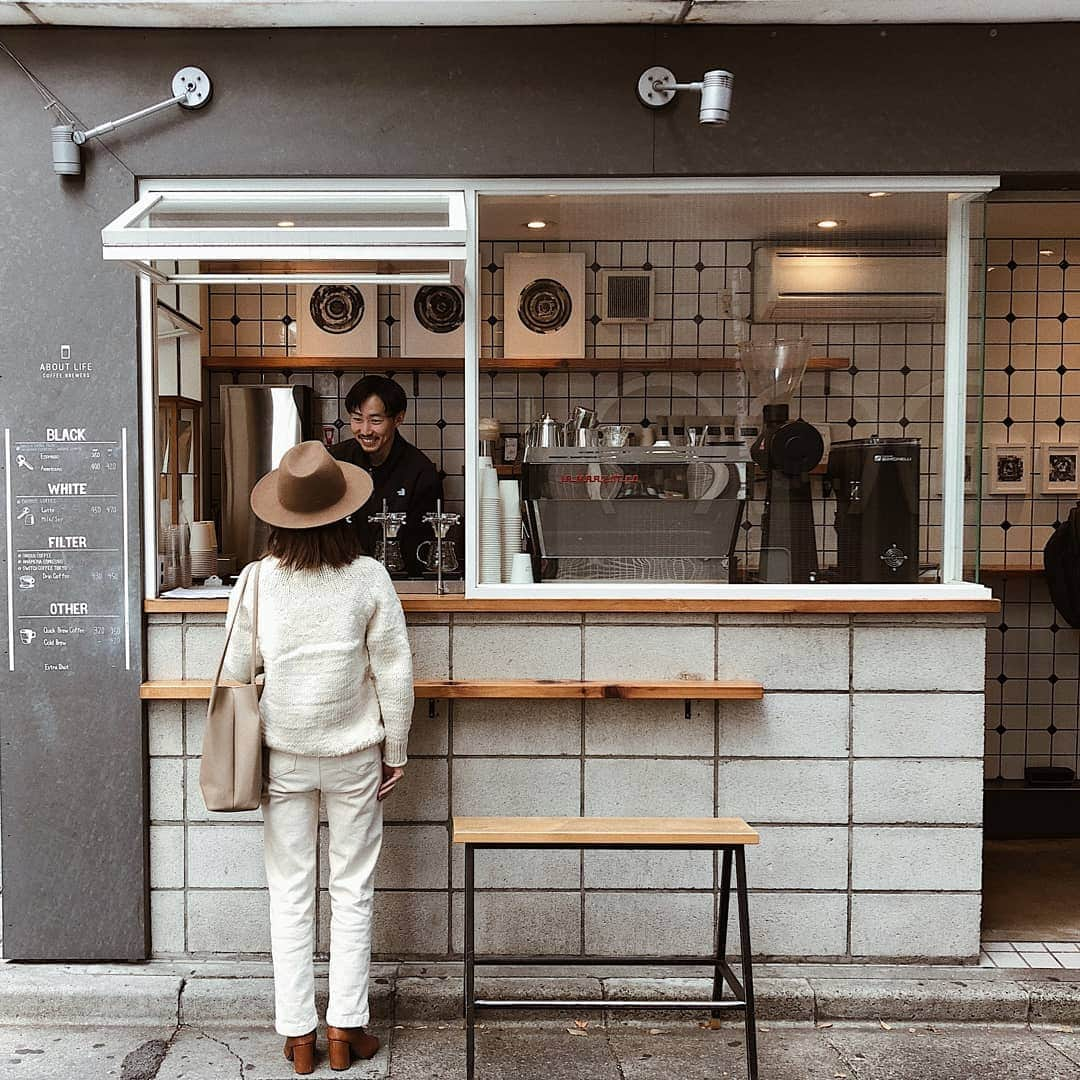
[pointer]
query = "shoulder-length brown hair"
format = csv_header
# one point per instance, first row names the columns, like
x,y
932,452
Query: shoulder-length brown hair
x,y
331,546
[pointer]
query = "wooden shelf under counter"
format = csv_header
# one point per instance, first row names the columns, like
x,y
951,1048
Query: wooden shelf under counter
x,y
500,365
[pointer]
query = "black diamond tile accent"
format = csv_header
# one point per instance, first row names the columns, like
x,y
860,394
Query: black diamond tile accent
x,y
389,320
645,421
288,320
1061,369
1011,264
1010,370
1006,525
1010,318
699,318
905,370
1001,729
1054,628
235,320
339,423
492,320
1063,317
1003,678
746,526
1060,421
1008,421
699,266
1003,627
646,265
904,421
1064,264
1051,728
594,266
853,370
492,267
851,421
594,319
440,423
1051,679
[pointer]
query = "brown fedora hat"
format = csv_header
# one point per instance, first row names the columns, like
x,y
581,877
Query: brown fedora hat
x,y
310,488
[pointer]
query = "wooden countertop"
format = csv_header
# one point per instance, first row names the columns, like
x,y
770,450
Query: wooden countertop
x,y
602,830
577,689
462,604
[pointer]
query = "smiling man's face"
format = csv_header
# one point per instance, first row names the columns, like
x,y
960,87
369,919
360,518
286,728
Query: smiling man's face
x,y
373,429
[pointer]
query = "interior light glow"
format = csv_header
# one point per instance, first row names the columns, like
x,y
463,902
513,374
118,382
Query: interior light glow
x,y
537,224
828,223
285,224
1047,251
877,194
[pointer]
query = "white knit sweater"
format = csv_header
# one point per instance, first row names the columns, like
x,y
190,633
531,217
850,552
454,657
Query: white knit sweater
x,y
336,656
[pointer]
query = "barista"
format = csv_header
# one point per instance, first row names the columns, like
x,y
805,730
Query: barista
x,y
404,476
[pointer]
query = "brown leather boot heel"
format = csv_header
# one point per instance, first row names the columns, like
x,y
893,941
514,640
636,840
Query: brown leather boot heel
x,y
300,1050
347,1043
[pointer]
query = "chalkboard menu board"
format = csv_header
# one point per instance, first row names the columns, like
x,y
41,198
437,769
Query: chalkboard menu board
x,y
67,537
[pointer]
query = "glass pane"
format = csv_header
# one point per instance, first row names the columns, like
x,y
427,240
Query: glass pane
x,y
713,388
185,444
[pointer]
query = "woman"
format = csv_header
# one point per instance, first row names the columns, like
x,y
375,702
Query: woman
x,y
336,709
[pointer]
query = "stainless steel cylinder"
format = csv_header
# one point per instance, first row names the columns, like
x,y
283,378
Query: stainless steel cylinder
x,y
66,156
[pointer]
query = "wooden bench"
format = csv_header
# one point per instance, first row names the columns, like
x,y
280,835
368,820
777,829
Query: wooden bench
x,y
727,835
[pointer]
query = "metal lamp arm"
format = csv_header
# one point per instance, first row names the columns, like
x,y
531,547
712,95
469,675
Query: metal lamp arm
x,y
81,136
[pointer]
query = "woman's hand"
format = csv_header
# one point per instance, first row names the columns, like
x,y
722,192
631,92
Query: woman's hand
x,y
391,774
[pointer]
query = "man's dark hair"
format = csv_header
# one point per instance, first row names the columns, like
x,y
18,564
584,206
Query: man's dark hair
x,y
388,391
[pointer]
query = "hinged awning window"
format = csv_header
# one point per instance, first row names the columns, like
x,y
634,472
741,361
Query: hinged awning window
x,y
401,236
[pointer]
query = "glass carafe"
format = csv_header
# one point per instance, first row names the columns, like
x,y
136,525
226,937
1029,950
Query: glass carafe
x,y
388,546
441,557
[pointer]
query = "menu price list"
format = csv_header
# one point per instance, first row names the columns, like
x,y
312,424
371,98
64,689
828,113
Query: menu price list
x,y
67,551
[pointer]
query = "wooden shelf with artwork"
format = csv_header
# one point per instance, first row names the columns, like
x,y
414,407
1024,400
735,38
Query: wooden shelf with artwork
x,y
590,364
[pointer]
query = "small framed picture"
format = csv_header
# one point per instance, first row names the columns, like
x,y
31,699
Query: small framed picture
x,y
1058,474
1009,469
936,488
511,448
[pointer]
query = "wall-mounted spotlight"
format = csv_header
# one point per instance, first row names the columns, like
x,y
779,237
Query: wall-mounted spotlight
x,y
657,86
191,89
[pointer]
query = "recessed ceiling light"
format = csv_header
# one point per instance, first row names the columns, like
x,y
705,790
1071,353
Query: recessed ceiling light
x,y
1047,251
285,224
877,194
536,224
828,223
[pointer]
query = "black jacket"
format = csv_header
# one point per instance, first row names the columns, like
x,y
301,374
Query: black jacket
x,y
408,481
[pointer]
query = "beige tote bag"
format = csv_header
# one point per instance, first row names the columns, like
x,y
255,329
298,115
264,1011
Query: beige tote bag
x,y
230,775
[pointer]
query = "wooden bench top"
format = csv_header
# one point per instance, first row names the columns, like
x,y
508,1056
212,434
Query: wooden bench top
x,y
581,689
602,830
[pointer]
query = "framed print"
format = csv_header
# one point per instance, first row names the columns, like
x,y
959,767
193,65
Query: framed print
x,y
511,448
1009,469
544,305
337,320
935,487
1058,468
432,321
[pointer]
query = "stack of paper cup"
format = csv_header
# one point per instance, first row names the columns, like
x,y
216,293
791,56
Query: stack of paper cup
x,y
204,551
510,523
521,569
490,525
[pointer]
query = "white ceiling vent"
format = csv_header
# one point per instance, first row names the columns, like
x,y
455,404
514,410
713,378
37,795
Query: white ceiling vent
x,y
625,296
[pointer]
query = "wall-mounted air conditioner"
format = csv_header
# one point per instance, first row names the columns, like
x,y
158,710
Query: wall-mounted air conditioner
x,y
803,284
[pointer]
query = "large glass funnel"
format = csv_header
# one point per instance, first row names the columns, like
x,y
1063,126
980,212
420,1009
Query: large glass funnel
x,y
774,370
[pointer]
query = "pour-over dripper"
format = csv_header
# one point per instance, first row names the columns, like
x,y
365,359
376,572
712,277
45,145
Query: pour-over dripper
x,y
388,547
773,370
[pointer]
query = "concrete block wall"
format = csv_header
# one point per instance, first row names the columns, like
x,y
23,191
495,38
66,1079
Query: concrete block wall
x,y
862,769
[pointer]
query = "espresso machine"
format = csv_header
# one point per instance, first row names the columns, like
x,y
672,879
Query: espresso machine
x,y
786,450
635,513
876,483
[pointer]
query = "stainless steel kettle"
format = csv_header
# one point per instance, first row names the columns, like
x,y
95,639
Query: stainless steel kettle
x,y
545,432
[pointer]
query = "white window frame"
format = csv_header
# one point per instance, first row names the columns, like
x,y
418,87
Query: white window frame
x,y
961,190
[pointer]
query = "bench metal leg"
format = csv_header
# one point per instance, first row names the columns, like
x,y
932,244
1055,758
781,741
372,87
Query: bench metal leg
x,y
747,965
470,964
721,932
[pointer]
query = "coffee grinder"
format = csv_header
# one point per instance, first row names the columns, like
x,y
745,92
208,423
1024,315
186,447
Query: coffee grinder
x,y
786,450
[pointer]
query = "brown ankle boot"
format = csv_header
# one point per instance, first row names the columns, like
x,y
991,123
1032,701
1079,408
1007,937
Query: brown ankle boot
x,y
300,1050
347,1043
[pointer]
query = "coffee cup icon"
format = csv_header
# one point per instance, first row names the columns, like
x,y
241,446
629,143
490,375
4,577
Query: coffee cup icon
x,y
27,636
26,581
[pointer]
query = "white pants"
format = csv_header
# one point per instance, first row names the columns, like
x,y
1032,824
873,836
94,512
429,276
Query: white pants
x,y
290,809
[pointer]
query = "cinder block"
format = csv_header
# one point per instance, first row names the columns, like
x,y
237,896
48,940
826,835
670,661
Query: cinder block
x,y
196,808
509,651
648,787
194,725
202,650
412,857
653,728
931,925
522,922
783,791
517,786
166,922
521,868
165,728
404,923
421,795
915,790
785,657
166,789
164,652
922,725
517,727
430,647
793,924
918,658
785,725
645,869
631,923
226,857
228,920
925,858
166,856
428,734
649,652
798,857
